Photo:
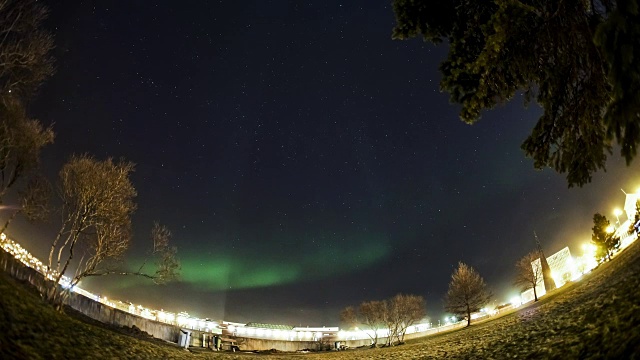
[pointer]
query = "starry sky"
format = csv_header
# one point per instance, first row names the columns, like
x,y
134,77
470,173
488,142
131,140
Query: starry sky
x,y
303,159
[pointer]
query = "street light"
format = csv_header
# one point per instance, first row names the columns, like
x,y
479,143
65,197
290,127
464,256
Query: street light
x,y
617,213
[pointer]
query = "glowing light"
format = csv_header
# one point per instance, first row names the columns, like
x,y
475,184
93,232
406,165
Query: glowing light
x,y
610,229
516,301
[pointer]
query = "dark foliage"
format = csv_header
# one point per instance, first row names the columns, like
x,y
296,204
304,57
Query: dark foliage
x,y
577,59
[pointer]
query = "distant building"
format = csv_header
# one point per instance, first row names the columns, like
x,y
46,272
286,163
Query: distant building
x,y
562,271
630,205
627,230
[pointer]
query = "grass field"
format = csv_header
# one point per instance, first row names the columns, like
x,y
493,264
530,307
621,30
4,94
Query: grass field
x,y
597,317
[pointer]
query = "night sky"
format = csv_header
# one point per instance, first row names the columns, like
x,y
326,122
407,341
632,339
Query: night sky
x,y
303,160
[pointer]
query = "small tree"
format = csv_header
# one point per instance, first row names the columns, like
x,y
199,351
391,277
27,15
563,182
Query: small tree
x,y
527,275
467,292
370,315
97,203
402,311
408,310
166,257
349,316
390,314
604,237
396,314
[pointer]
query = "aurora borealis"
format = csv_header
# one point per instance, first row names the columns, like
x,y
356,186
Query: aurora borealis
x,y
303,160
248,270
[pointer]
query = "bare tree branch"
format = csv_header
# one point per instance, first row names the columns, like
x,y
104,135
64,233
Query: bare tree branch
x,y
528,275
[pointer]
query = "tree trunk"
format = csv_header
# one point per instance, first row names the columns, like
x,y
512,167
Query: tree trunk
x,y
6,224
535,294
468,316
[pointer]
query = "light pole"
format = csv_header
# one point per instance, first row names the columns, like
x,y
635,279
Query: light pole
x,y
617,213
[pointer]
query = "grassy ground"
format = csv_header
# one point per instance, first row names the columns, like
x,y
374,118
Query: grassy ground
x,y
31,329
598,317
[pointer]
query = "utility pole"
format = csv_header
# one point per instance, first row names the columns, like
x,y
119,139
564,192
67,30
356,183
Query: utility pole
x,y
549,283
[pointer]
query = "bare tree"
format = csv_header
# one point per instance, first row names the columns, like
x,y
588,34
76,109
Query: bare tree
x,y
402,311
370,316
97,203
409,309
97,199
21,141
467,292
24,64
389,316
528,275
105,254
34,201
349,316
371,313
396,314
25,47
167,264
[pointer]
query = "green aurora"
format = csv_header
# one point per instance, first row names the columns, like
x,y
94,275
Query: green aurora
x,y
232,269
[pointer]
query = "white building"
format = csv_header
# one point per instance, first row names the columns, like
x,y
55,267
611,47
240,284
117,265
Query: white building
x,y
563,270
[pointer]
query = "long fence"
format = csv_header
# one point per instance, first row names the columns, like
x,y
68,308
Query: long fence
x,y
182,328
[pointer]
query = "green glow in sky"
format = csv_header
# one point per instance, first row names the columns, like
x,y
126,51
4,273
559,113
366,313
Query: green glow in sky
x,y
284,264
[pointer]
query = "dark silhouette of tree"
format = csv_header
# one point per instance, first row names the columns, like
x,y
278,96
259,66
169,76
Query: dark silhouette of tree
x,y
527,275
24,64
25,46
34,201
21,141
604,237
467,292
577,59
167,265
